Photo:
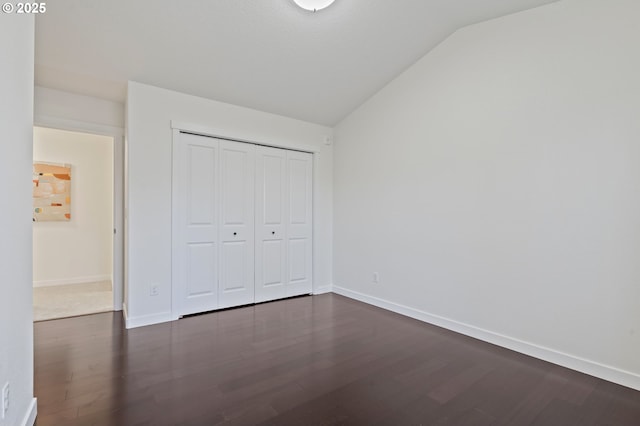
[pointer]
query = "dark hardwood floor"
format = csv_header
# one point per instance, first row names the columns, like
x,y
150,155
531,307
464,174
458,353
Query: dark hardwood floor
x,y
323,360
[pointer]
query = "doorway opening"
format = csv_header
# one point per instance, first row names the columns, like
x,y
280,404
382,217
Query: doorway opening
x,y
73,223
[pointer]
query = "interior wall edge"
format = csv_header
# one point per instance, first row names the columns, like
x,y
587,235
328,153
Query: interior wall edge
x,y
573,362
16,226
31,414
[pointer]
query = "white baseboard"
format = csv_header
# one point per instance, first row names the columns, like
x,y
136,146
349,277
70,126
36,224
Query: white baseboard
x,y
30,416
78,280
144,320
323,289
606,372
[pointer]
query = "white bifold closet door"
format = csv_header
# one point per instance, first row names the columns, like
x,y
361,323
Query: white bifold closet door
x,y
237,246
242,223
283,223
213,223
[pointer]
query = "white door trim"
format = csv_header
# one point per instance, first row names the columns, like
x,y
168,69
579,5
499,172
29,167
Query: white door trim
x,y
117,133
176,293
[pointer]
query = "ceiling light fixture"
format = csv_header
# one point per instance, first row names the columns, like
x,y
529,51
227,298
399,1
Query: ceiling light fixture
x,y
313,5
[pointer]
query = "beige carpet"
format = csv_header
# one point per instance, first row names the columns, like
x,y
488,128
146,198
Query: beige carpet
x,y
71,300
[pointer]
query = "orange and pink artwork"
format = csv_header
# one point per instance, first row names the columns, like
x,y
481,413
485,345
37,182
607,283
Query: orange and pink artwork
x,y
51,192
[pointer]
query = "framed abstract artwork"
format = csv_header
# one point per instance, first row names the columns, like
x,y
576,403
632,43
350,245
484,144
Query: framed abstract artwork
x,y
51,192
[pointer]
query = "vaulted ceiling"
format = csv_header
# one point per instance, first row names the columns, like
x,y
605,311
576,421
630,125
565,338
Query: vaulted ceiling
x,y
264,54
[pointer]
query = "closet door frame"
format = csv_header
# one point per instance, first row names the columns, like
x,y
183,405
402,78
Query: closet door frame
x,y
236,136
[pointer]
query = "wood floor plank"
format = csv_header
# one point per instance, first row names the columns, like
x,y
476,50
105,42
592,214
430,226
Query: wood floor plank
x,y
322,360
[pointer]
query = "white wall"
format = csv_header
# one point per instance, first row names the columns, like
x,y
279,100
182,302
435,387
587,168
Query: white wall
x,y
495,187
149,140
61,105
80,250
16,121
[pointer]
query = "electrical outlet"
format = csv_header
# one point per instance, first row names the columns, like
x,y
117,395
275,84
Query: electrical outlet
x,y
376,278
5,400
154,290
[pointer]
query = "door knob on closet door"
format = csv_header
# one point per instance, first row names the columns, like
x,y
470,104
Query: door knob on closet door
x,y
235,233
273,232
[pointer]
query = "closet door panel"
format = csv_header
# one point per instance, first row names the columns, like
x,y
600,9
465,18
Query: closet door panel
x,y
237,225
233,261
298,250
299,223
273,257
201,271
195,226
271,194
